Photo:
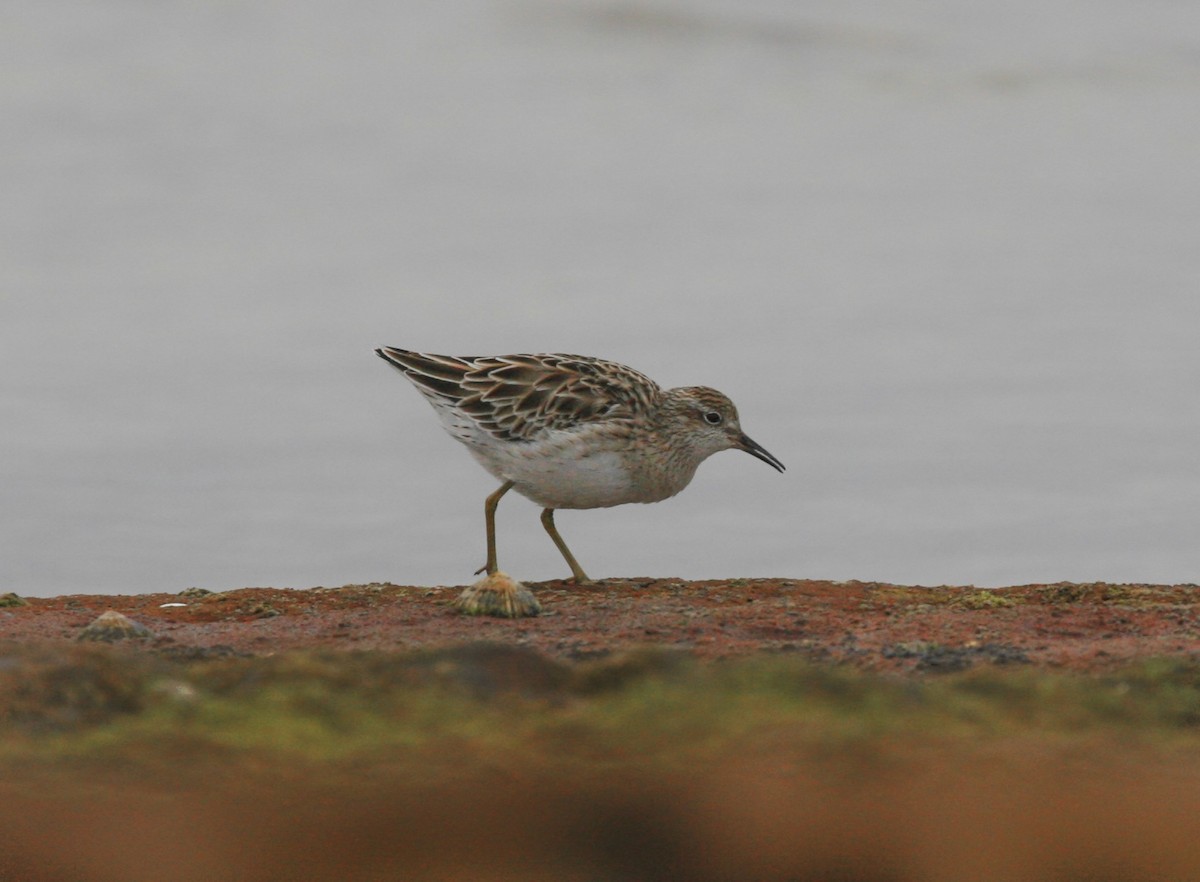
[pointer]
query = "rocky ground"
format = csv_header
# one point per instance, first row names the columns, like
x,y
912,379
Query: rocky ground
x,y
641,729
870,625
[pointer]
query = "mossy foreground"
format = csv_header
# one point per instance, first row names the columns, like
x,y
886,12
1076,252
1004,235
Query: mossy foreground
x,y
484,761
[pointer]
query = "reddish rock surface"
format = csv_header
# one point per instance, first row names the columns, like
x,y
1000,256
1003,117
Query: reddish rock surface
x,y
870,625
777,803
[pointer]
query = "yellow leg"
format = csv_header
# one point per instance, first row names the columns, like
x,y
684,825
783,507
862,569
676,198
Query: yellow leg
x,y
581,578
489,514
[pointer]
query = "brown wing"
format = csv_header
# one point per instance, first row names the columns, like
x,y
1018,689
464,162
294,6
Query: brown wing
x,y
518,397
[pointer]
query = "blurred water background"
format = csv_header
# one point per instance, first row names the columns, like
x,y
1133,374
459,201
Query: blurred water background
x,y
945,257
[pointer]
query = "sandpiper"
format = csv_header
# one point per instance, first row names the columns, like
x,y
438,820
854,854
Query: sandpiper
x,y
569,431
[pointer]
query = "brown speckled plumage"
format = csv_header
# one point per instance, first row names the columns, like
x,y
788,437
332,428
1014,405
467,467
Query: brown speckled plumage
x,y
568,431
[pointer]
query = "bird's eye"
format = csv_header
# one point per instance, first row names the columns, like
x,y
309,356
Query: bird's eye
x,y
712,418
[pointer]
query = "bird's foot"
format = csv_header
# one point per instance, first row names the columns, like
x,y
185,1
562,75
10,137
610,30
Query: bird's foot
x,y
498,594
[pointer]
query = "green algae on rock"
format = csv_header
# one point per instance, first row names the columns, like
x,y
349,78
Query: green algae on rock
x,y
111,626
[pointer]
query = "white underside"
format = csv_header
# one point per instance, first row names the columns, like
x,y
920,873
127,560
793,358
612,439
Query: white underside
x,y
562,479
565,470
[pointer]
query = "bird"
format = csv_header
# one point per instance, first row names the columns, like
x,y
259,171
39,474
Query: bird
x,y
573,432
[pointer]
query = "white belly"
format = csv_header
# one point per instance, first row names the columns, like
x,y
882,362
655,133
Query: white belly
x,y
562,479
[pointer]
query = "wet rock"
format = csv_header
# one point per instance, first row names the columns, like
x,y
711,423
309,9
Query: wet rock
x,y
111,626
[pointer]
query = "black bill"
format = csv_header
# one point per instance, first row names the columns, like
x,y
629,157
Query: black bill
x,y
754,449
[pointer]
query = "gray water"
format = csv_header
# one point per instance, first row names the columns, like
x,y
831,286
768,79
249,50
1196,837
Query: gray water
x,y
945,257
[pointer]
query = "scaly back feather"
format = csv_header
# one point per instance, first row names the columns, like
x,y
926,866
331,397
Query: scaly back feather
x,y
521,397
